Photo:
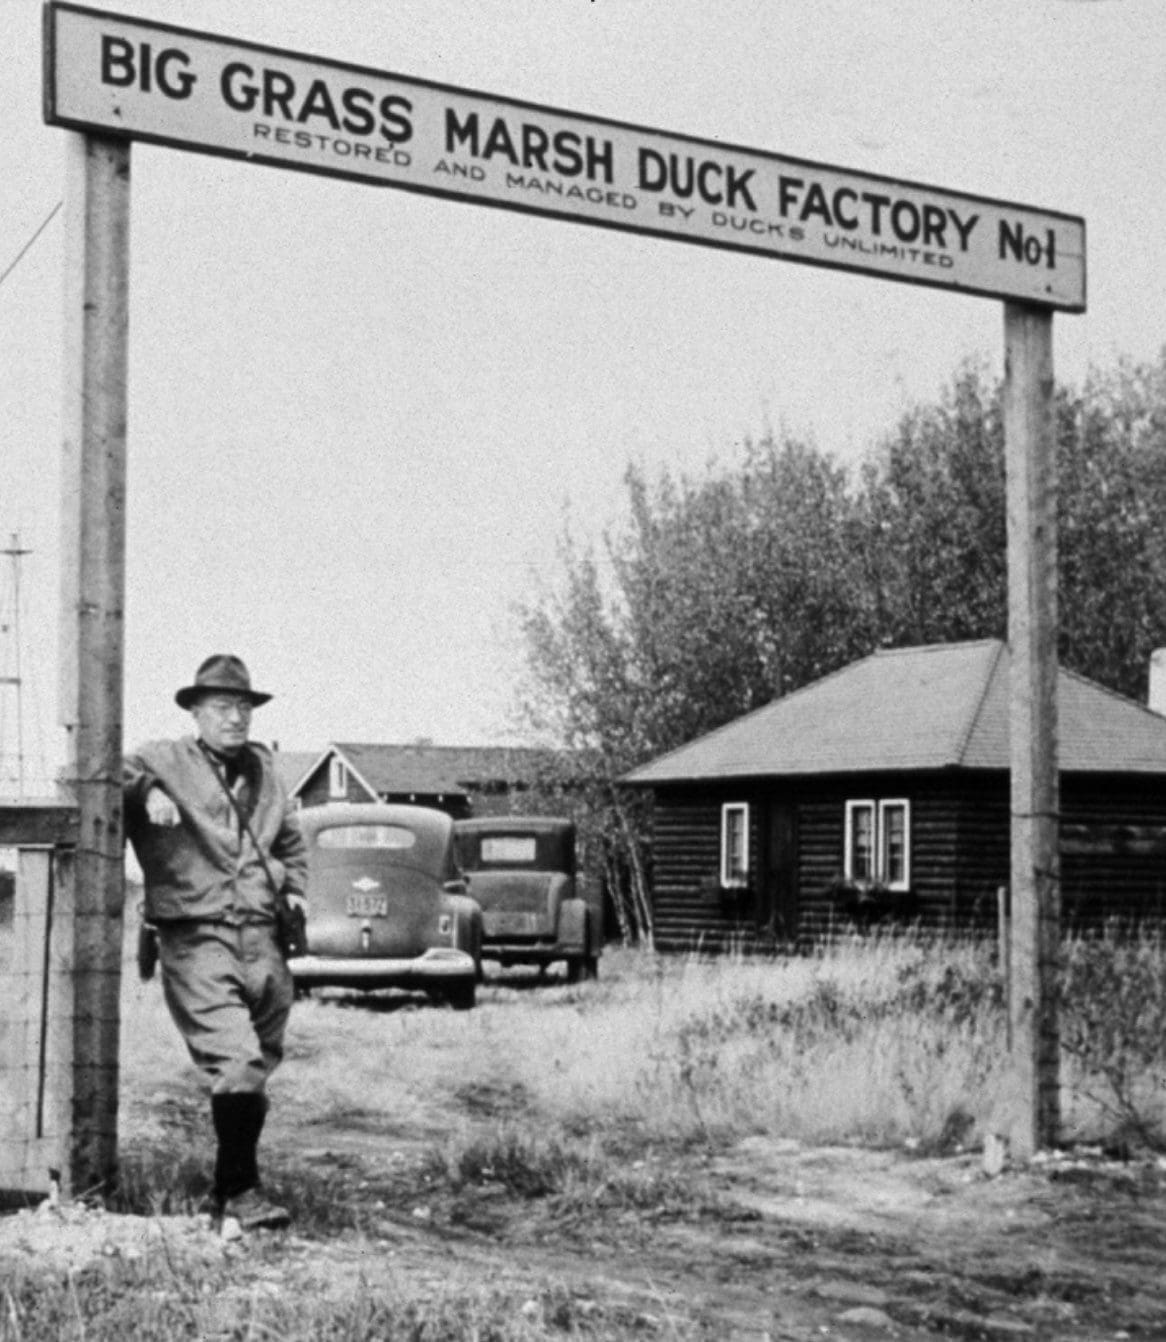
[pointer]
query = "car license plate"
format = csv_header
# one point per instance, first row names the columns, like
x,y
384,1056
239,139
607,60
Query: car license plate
x,y
368,906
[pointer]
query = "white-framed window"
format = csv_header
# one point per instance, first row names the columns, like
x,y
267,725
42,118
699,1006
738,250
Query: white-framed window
x,y
895,843
735,843
877,844
859,849
337,777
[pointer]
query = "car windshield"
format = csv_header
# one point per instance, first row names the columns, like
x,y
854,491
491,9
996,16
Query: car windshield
x,y
509,850
512,846
394,837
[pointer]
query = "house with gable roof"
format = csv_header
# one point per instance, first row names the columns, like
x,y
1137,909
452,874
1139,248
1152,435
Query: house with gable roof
x,y
462,780
889,778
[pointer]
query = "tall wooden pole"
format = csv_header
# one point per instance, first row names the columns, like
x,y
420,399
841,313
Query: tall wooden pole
x,y
88,919
16,553
1030,447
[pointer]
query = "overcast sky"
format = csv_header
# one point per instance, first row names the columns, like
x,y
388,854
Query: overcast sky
x,y
357,415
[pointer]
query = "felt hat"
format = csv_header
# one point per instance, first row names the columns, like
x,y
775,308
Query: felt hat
x,y
221,673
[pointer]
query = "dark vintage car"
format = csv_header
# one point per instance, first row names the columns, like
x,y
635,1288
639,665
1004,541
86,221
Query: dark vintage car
x,y
536,907
387,907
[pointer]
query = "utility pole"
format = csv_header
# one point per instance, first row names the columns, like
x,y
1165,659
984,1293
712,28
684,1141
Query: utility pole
x,y
15,553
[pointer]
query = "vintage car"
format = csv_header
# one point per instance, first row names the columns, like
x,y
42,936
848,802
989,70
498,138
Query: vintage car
x,y
387,907
535,907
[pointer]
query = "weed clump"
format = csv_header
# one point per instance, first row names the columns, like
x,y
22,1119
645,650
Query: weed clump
x,y
151,1182
524,1164
572,1178
1113,1026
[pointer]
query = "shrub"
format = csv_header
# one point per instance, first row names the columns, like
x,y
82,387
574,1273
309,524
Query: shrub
x,y
1113,1025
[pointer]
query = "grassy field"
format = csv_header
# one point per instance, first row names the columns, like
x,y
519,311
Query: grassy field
x,y
474,1175
877,1042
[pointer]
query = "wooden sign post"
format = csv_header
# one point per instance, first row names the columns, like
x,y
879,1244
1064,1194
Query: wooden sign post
x,y
89,911
1030,447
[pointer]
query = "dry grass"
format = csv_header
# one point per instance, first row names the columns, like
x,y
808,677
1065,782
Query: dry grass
x,y
564,1088
878,1041
884,1042
571,1098
115,1307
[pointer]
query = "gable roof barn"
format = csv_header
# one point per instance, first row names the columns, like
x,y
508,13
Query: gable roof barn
x,y
427,769
458,779
934,707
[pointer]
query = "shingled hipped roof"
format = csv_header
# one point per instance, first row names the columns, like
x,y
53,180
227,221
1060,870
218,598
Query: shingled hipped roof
x,y
936,707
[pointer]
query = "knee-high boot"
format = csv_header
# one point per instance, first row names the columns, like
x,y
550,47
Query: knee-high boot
x,y
255,1119
238,1118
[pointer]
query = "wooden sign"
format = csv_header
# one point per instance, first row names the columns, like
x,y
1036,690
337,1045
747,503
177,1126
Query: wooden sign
x,y
216,95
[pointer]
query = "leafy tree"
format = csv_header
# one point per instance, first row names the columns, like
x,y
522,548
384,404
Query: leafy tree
x,y
740,586
581,696
932,501
933,498
1112,461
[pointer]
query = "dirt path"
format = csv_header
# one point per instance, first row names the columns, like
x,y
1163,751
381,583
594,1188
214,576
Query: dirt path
x,y
777,1242
764,1240
799,1243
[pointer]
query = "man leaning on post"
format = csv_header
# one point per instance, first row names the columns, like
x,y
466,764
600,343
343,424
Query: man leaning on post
x,y
220,847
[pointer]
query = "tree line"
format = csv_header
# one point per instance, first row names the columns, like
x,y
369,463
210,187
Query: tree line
x,y
713,595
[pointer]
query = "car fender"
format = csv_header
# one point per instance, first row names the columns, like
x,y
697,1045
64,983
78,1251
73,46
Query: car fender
x,y
467,914
560,892
573,926
592,892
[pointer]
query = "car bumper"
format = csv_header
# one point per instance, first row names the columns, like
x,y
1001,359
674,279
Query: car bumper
x,y
530,952
506,926
431,966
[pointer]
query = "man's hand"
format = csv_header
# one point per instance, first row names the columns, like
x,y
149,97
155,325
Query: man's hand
x,y
160,810
297,902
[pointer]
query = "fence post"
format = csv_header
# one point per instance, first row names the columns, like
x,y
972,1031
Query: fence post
x,y
36,1001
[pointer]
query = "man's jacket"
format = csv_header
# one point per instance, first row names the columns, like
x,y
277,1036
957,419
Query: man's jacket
x,y
205,867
